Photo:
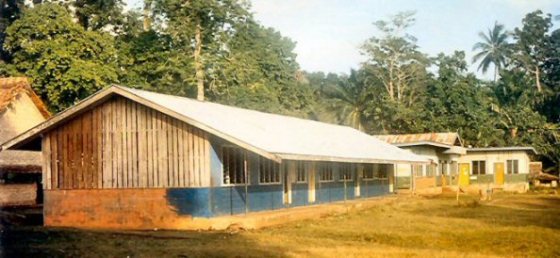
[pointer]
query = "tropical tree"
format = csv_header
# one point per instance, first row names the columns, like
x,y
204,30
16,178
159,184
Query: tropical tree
x,y
201,28
10,10
532,48
395,60
258,60
456,101
98,14
65,62
349,99
493,49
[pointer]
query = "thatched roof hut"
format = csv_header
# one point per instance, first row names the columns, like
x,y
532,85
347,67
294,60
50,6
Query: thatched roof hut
x,y
20,110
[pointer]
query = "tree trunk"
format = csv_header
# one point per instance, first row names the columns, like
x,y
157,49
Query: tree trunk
x,y
391,81
495,73
391,90
147,11
513,132
538,79
198,65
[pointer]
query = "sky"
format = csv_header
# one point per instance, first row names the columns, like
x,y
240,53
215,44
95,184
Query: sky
x,y
329,32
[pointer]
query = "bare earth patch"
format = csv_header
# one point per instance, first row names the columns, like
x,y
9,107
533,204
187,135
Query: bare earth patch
x,y
511,225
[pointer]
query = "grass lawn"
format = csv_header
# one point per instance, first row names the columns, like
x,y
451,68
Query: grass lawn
x,y
526,225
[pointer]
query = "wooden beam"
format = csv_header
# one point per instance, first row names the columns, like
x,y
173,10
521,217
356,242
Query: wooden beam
x,y
46,149
54,159
142,144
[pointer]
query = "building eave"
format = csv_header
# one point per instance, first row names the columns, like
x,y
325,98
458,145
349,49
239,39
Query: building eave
x,y
509,148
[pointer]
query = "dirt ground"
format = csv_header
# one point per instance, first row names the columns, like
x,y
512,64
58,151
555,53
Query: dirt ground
x,y
510,225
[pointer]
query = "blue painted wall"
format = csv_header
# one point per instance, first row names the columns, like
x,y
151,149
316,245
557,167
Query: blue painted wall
x,y
230,200
372,188
333,191
220,199
300,194
190,201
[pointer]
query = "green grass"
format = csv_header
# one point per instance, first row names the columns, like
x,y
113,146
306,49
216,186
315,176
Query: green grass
x,y
511,225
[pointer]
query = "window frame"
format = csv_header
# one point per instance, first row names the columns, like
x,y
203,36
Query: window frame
x,y
443,169
245,169
478,162
325,168
301,165
275,172
417,169
514,166
382,168
367,178
349,171
431,170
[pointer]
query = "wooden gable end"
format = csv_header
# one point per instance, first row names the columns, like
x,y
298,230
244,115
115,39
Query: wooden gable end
x,y
123,144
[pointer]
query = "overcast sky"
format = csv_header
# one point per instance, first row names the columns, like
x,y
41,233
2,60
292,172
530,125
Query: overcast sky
x,y
329,32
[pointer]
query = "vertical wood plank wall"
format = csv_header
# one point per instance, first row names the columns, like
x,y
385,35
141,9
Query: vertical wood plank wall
x,y
123,144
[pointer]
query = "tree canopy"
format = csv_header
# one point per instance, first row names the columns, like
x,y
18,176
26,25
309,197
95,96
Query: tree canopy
x,y
215,50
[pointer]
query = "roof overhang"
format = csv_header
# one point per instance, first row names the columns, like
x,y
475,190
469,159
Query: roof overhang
x,y
420,143
343,159
457,150
498,149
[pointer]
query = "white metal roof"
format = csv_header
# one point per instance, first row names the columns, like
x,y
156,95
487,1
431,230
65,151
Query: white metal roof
x,y
284,136
277,136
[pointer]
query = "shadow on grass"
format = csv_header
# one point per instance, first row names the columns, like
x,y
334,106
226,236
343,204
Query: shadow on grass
x,y
33,241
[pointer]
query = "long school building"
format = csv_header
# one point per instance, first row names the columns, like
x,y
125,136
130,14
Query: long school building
x,y
127,158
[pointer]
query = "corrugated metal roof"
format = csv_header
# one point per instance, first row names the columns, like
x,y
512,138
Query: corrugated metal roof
x,y
284,136
447,138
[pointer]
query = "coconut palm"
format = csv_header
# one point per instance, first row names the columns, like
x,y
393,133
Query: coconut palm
x,y
493,49
348,101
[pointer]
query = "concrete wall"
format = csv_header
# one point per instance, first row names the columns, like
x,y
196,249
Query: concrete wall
x,y
435,154
498,156
116,208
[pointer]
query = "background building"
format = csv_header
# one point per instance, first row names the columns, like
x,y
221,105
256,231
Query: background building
x,y
20,171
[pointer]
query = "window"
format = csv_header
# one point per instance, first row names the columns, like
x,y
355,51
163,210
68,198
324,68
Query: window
x,y
234,168
345,172
478,167
431,170
443,168
382,170
376,171
301,176
417,170
325,173
368,172
512,166
269,171
454,168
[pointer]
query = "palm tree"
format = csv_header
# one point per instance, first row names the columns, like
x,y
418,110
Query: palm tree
x,y
493,49
348,101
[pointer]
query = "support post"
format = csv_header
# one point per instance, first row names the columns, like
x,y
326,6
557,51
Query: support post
x,y
246,182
